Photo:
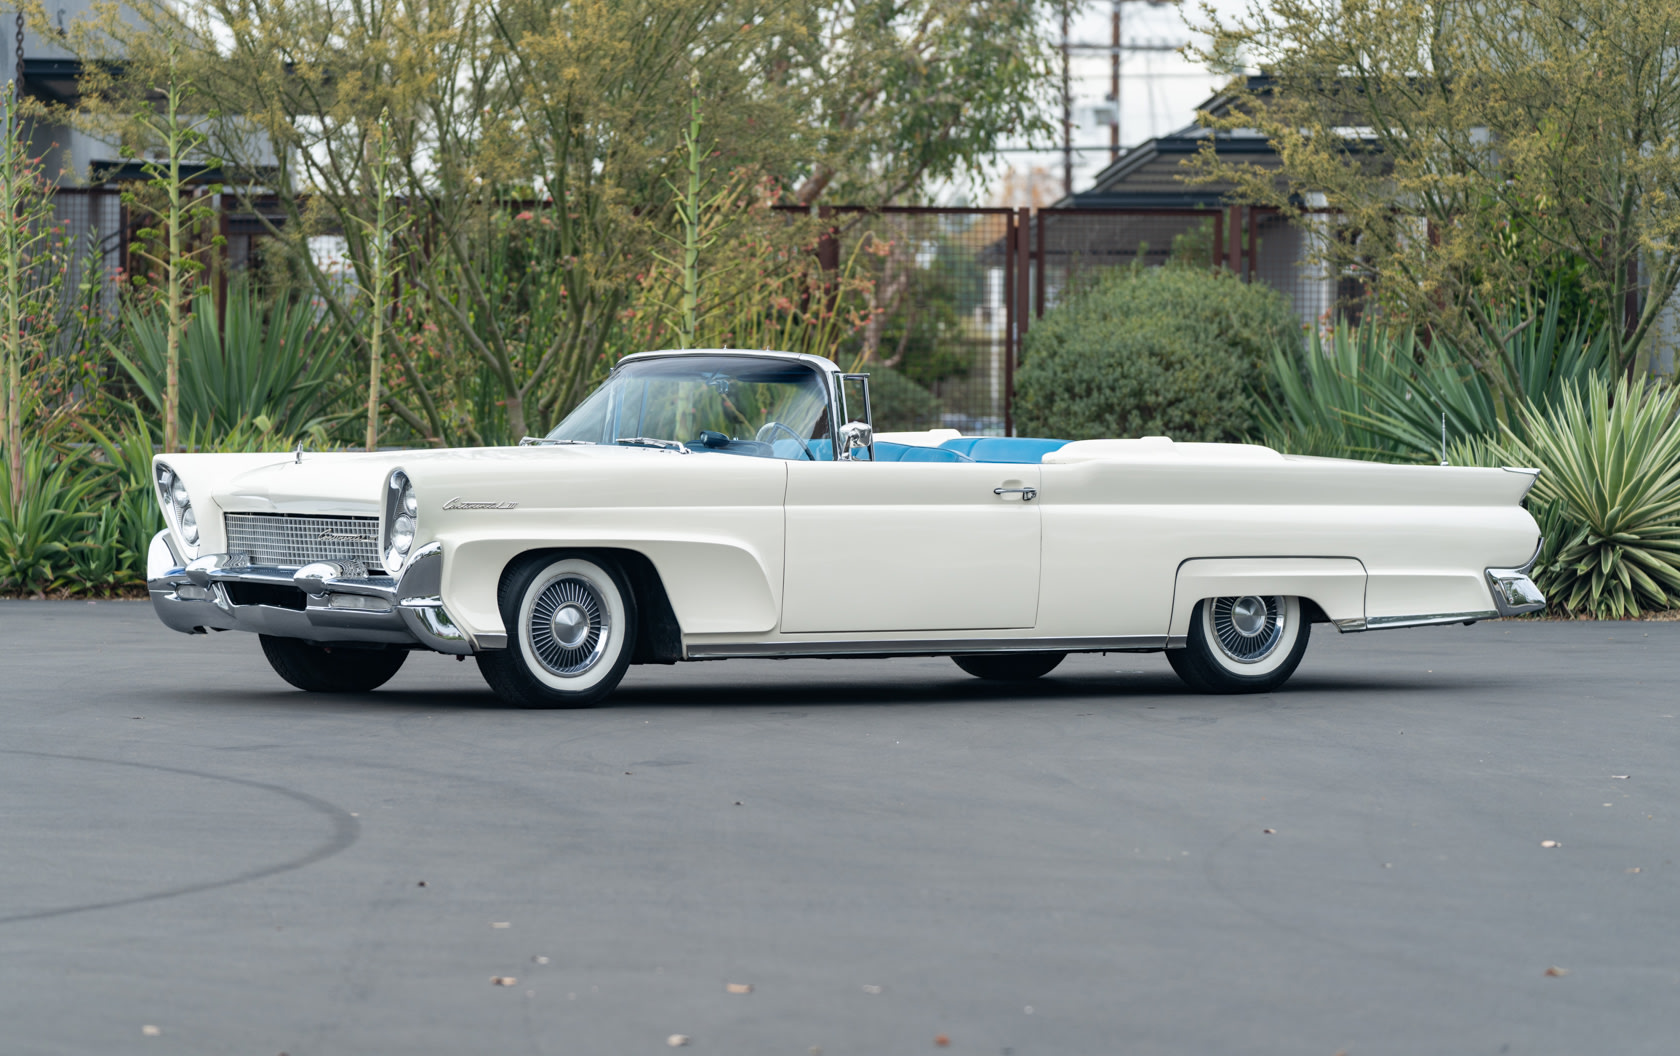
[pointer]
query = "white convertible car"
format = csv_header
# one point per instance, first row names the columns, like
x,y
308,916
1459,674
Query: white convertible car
x,y
711,504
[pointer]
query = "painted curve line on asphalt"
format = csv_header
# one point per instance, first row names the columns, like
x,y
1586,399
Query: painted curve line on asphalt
x,y
346,830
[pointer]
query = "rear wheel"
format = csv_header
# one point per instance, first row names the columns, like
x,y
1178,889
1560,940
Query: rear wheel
x,y
571,625
1250,644
328,669
1009,667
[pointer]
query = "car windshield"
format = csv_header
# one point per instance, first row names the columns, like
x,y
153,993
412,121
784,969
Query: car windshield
x,y
732,404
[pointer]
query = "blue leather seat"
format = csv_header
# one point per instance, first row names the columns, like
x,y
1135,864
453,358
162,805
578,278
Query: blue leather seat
x,y
885,452
1028,450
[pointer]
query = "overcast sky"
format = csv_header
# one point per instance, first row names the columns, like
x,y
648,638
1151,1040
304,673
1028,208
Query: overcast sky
x,y
1159,92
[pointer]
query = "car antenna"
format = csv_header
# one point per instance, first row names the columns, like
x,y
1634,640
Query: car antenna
x,y
297,456
1444,461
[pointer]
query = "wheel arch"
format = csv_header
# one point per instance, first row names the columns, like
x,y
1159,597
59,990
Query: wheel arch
x,y
658,634
1331,589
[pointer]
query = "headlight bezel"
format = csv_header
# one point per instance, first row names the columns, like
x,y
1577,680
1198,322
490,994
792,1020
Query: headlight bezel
x,y
400,520
174,499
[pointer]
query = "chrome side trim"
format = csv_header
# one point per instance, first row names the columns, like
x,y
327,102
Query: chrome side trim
x,y
933,647
1386,623
1350,626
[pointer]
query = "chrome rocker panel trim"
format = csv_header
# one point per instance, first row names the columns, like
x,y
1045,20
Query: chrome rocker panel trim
x,y
342,603
1138,643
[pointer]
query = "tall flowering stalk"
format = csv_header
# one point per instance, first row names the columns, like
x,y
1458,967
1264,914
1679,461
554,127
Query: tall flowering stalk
x,y
179,140
26,286
383,258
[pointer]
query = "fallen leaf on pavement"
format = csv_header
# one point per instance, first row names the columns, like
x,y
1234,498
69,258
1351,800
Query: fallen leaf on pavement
x,y
1635,869
502,980
738,988
1557,973
421,884
1548,844
151,1031
941,1040
1618,777
1269,832
677,1041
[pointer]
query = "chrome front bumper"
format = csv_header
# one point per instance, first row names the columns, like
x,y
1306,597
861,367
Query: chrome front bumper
x,y
325,602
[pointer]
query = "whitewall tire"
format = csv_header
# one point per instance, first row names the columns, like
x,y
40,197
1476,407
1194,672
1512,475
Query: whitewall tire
x,y
1246,644
571,623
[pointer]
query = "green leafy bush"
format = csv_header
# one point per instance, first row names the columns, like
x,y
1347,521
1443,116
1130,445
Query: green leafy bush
x,y
1608,496
1172,351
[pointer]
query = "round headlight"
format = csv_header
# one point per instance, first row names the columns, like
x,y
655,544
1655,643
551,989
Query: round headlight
x,y
189,526
178,493
402,513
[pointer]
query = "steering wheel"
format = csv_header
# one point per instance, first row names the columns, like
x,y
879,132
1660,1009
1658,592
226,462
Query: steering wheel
x,y
769,427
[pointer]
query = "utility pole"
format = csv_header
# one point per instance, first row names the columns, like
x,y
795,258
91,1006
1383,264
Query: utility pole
x,y
1067,108
1114,85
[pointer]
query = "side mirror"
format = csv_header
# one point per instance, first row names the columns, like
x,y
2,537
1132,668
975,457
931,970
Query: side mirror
x,y
854,435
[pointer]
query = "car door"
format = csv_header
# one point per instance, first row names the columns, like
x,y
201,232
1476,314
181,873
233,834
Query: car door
x,y
910,546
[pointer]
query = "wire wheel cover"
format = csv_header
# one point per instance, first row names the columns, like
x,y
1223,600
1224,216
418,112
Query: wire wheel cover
x,y
1247,629
569,626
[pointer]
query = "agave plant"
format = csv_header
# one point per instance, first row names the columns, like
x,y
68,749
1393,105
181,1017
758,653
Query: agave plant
x,y
1317,400
41,533
281,363
1609,492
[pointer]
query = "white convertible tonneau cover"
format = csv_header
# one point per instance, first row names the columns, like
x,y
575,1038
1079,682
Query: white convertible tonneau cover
x,y
1158,449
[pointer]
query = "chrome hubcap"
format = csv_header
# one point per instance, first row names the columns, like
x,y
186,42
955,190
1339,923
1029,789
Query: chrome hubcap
x,y
569,625
1247,629
1248,616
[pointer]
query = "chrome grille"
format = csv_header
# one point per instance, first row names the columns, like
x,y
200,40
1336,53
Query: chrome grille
x,y
291,540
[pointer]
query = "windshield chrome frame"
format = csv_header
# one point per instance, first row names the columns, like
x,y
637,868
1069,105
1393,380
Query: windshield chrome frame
x,y
827,370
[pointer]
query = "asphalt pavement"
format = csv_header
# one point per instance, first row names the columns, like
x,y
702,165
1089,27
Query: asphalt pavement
x,y
1457,840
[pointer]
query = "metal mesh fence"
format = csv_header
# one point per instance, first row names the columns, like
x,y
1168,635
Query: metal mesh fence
x,y
937,339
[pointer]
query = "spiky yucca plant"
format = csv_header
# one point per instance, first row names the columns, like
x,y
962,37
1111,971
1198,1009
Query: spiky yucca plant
x,y
1610,460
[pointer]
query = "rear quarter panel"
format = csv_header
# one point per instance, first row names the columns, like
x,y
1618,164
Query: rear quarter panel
x,y
1116,532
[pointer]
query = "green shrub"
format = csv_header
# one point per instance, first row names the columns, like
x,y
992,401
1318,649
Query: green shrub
x,y
1172,351
1608,497
899,403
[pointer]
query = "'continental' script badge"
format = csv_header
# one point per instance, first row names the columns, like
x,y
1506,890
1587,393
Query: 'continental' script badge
x,y
462,504
343,537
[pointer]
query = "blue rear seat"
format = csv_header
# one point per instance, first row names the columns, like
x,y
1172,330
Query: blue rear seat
x,y
886,452
1022,449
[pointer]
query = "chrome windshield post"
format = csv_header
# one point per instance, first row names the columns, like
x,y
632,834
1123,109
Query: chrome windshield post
x,y
855,433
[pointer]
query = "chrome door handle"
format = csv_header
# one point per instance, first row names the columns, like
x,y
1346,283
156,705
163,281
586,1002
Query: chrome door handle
x,y
1027,494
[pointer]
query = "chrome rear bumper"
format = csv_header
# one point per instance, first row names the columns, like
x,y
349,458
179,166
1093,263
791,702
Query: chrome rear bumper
x,y
323,602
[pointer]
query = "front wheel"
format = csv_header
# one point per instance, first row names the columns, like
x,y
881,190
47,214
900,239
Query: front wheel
x,y
1009,667
1249,644
324,669
571,625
